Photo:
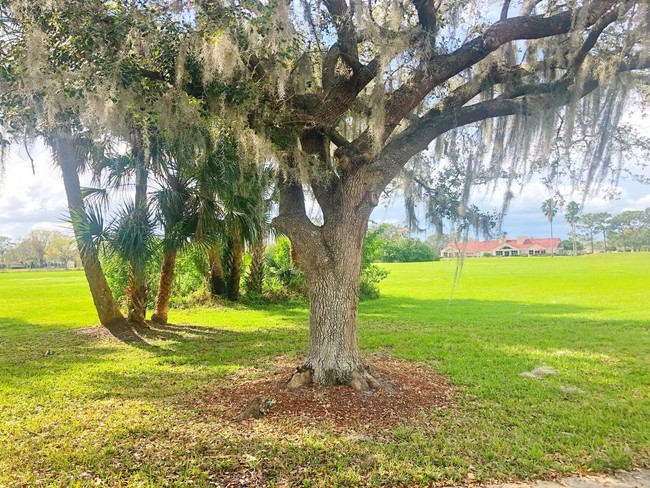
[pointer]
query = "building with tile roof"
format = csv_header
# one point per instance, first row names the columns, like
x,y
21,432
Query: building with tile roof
x,y
521,246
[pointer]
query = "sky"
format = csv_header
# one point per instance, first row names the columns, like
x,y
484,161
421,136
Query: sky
x,y
37,201
30,201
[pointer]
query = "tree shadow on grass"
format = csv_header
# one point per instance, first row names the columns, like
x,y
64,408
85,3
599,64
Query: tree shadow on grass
x,y
422,310
481,335
109,362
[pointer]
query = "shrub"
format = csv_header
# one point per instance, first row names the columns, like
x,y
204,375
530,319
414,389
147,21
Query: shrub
x,y
391,244
116,270
280,268
189,276
371,275
285,282
408,250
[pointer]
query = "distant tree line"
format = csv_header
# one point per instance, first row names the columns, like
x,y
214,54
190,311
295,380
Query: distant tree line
x,y
39,249
602,231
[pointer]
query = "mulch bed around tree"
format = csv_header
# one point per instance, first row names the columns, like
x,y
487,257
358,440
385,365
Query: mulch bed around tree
x,y
410,389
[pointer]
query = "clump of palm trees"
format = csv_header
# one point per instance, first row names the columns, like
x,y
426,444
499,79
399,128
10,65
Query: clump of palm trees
x,y
205,199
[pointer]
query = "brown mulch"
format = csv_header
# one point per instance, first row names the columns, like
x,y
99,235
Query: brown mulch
x,y
94,332
410,389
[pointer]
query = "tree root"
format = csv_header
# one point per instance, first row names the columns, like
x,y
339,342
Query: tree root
x,y
364,378
301,377
159,319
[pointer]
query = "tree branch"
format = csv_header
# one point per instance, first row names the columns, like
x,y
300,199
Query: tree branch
x,y
427,12
504,10
441,68
347,37
292,217
525,100
602,23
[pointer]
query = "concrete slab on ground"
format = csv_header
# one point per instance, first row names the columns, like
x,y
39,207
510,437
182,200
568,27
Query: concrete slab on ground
x,y
639,478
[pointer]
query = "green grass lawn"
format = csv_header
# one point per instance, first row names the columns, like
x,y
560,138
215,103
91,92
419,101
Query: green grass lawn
x,y
85,409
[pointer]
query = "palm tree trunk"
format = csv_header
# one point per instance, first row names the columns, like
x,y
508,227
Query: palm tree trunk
x,y
165,285
138,290
552,248
235,264
573,227
107,308
137,297
217,276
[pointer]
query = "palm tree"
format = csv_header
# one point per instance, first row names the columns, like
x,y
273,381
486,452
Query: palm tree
x,y
171,203
266,197
572,211
187,215
232,185
131,237
71,156
550,208
240,226
132,229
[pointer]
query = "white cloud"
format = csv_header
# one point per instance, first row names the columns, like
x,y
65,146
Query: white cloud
x,y
28,200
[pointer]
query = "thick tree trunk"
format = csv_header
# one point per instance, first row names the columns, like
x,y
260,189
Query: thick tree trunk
x,y
255,279
334,356
333,277
107,309
217,276
165,285
331,257
235,264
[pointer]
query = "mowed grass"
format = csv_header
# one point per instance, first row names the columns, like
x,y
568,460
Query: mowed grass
x,y
80,409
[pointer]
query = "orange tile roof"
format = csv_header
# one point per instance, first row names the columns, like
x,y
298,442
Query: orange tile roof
x,y
488,246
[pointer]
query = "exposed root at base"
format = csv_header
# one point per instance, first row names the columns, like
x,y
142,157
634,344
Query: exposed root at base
x,y
159,319
363,378
301,377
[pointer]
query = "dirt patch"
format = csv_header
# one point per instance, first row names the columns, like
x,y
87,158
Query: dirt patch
x,y
410,389
539,372
95,332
